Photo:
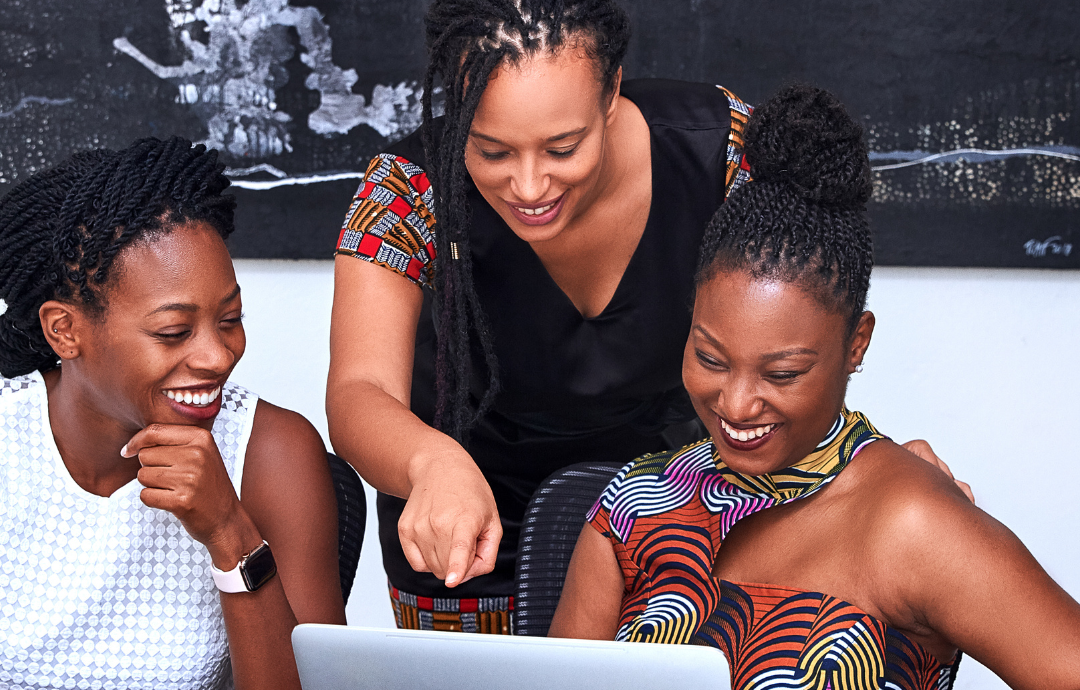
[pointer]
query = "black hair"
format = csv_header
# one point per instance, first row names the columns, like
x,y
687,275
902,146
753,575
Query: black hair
x,y
467,40
802,217
61,230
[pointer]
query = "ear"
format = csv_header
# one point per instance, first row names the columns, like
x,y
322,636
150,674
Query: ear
x,y
613,104
860,340
61,323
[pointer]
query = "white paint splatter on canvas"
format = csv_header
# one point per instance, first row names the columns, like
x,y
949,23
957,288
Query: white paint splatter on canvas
x,y
232,80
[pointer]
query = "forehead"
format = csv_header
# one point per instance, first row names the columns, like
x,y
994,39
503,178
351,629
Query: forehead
x,y
541,95
764,315
188,263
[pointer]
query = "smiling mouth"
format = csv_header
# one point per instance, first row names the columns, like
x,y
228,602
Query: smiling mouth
x,y
745,435
194,399
538,211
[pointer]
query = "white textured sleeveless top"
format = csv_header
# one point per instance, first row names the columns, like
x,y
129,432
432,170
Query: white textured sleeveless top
x,y
100,592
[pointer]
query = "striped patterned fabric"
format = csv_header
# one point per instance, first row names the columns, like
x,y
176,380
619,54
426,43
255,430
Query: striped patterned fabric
x,y
778,637
493,615
666,516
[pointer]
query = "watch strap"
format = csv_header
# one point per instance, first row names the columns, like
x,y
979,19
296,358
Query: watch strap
x,y
237,579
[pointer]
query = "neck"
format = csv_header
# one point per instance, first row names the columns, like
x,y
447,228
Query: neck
x,y
88,440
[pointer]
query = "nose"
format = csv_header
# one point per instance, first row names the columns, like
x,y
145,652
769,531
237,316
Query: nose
x,y
530,182
214,352
739,400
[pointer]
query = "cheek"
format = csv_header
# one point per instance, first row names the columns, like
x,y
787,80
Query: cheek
x,y
699,385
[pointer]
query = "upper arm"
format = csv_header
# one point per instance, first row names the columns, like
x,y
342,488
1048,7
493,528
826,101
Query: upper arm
x,y
372,329
287,492
976,584
592,595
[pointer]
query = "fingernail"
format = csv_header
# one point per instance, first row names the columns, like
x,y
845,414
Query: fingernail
x,y
452,579
123,451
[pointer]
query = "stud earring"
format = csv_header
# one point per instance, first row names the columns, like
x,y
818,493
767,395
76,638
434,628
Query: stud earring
x,y
55,331
858,368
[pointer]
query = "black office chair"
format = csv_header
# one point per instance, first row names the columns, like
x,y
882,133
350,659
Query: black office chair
x,y
352,516
549,532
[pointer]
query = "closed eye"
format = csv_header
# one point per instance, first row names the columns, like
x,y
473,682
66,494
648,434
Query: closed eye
x,y
492,155
563,153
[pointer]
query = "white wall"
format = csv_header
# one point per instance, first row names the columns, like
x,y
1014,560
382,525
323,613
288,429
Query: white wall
x,y
982,363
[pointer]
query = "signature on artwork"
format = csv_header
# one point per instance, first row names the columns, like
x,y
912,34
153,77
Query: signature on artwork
x,y
1052,245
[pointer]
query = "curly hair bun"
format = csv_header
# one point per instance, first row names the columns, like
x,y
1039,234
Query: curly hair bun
x,y
804,137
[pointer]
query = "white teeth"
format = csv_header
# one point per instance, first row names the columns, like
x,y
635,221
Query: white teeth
x,y
746,434
535,211
194,399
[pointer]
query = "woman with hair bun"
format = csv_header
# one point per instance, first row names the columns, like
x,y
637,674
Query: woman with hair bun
x,y
137,481
808,547
570,207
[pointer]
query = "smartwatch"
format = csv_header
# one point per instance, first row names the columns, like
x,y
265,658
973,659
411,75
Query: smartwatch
x,y
253,571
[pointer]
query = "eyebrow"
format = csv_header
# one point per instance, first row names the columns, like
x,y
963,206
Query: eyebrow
x,y
770,357
557,137
784,354
188,307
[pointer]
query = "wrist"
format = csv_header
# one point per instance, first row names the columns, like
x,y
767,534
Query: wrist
x,y
448,458
232,541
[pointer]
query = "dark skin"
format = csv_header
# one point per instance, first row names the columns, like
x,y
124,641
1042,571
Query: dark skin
x,y
891,535
172,324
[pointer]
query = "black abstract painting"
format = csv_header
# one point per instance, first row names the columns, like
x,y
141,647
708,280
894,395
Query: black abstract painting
x,y
970,108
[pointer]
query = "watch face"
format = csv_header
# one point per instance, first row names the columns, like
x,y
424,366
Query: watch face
x,y
258,567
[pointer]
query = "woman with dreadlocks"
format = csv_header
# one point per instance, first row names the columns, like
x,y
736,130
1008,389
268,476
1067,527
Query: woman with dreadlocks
x,y
570,207
142,492
806,546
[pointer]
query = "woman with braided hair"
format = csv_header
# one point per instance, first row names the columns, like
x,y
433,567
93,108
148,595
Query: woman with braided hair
x,y
805,545
556,212
137,481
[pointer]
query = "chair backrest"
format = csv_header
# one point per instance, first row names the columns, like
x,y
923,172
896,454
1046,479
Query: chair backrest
x,y
352,517
549,532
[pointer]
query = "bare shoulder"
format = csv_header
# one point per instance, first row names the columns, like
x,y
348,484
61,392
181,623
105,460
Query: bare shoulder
x,y
283,435
922,521
908,492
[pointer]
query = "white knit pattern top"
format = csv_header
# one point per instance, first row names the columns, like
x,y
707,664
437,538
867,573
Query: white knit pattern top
x,y
95,592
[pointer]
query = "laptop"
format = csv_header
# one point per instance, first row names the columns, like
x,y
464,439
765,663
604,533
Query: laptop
x,y
338,657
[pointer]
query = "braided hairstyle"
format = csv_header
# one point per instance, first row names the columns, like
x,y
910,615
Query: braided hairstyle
x,y
467,40
802,219
61,230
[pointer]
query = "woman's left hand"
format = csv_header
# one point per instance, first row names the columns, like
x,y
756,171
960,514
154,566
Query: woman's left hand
x,y
923,450
183,474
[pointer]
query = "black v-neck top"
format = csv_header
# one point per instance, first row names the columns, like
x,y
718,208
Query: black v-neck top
x,y
606,388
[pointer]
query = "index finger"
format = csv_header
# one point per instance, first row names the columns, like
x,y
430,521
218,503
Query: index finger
x,y
462,551
161,435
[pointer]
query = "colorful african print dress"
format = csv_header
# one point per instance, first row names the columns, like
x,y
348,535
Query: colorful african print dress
x,y
666,516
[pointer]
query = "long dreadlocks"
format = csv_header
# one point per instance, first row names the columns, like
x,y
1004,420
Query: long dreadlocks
x,y
467,40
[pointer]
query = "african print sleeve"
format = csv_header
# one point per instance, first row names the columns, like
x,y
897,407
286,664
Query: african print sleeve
x,y
738,168
390,220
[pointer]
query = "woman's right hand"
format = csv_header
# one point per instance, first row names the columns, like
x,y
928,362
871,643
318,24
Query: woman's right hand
x,y
450,526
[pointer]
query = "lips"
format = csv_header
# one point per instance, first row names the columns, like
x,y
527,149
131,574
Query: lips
x,y
198,404
537,214
747,437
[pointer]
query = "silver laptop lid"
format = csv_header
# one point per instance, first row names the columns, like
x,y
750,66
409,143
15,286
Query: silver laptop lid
x,y
335,657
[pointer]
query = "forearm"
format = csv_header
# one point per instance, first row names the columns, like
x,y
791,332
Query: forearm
x,y
387,444
260,623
